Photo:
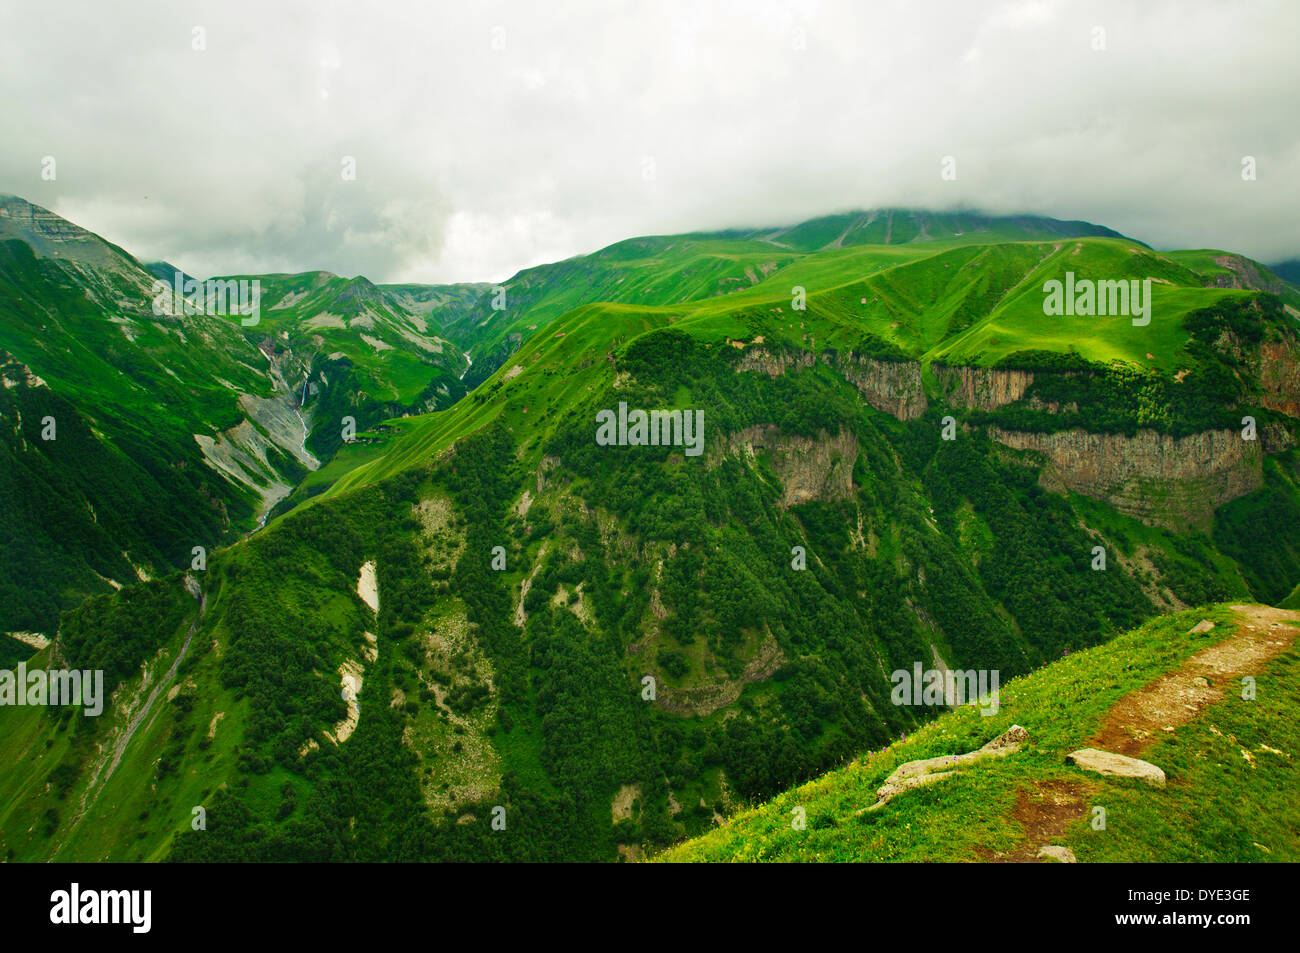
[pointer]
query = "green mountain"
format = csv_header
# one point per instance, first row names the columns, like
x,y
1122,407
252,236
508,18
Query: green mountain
x,y
672,269
483,633
172,430
1287,270
165,271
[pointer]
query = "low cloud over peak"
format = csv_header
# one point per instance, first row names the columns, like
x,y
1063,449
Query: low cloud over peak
x,y
222,137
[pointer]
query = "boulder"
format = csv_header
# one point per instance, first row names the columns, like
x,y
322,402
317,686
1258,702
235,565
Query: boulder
x,y
1117,766
1061,854
916,773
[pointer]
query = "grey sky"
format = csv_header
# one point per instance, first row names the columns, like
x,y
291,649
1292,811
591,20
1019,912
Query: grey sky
x,y
492,136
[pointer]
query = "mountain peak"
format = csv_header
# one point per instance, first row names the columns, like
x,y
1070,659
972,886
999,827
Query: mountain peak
x,y
49,235
897,226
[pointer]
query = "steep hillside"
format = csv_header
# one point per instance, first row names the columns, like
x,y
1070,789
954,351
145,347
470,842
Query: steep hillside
x,y
124,436
643,271
887,455
448,302
360,352
1207,697
902,327
670,270
172,427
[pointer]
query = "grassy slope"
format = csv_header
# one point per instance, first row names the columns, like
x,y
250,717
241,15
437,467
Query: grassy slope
x,y
128,392
560,370
32,743
672,269
644,272
411,349
127,483
126,358
929,286
955,301
1216,808
197,725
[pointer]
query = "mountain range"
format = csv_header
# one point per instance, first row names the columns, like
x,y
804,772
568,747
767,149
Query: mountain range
x,y
365,586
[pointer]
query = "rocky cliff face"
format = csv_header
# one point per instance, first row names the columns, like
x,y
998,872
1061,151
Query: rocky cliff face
x,y
50,236
890,386
808,469
14,373
1159,479
1244,273
774,364
1279,376
981,388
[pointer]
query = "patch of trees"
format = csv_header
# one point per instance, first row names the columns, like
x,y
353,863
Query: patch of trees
x,y
119,631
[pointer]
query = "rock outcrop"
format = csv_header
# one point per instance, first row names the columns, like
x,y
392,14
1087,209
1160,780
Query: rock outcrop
x,y
1113,765
14,373
774,363
1279,376
368,586
710,696
913,774
981,388
1156,478
893,387
1055,852
890,386
351,674
51,236
809,469
1244,273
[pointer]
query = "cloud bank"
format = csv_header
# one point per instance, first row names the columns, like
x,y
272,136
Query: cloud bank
x,y
489,137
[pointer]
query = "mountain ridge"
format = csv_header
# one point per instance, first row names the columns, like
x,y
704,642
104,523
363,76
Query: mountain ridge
x,y
458,612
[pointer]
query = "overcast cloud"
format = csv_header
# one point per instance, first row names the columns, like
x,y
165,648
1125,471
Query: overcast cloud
x,y
489,137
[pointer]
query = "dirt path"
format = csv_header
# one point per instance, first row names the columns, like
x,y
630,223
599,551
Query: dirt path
x,y
1134,723
1044,810
1179,696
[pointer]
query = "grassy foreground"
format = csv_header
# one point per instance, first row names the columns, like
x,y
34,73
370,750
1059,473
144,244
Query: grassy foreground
x,y
1231,773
